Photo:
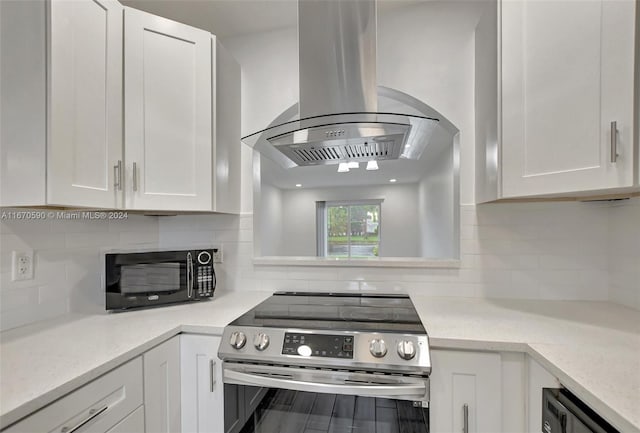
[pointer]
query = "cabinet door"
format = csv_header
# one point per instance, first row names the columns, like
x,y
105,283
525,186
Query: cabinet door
x,y
567,74
84,103
465,378
202,387
537,378
162,387
167,114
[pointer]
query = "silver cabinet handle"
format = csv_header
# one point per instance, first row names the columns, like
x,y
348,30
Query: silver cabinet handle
x,y
465,418
614,142
117,176
212,374
135,176
93,413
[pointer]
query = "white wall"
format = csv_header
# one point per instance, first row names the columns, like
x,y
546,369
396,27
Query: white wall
x,y
269,64
537,250
67,263
272,221
438,207
399,221
624,252
518,250
425,50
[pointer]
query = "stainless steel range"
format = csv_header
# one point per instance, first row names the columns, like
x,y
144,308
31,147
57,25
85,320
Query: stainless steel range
x,y
312,362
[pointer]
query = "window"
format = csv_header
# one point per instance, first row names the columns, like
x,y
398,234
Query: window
x,y
348,229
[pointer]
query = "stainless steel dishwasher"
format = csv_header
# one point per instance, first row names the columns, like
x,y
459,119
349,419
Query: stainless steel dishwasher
x,y
563,412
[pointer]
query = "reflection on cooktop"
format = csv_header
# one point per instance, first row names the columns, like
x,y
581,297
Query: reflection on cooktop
x,y
335,311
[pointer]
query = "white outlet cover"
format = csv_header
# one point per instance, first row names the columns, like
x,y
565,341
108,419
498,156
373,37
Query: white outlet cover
x,y
217,255
22,265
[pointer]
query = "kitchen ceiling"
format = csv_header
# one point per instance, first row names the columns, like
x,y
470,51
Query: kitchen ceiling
x,y
227,18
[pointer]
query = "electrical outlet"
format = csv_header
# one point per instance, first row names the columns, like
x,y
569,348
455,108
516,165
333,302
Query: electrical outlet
x,y
22,265
217,255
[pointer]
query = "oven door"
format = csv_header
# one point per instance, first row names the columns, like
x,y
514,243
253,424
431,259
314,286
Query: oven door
x,y
273,399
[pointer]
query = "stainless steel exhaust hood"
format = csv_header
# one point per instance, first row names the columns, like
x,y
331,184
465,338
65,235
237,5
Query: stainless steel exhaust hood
x,y
340,117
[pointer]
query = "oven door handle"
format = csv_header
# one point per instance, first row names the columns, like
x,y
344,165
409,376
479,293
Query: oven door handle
x,y
418,389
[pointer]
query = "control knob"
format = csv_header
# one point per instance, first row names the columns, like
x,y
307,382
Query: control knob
x,y
406,349
237,340
378,347
261,341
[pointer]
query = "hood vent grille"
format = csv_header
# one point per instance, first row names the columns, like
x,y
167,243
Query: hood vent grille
x,y
328,144
350,152
316,155
374,150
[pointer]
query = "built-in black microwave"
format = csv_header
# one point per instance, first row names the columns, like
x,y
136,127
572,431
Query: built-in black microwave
x,y
144,279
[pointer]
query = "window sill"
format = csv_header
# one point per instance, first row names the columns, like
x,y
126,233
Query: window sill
x,y
378,262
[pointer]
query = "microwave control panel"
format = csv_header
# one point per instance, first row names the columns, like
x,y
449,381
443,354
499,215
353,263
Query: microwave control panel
x,y
320,345
205,276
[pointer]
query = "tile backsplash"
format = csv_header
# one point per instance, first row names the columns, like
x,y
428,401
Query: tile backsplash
x,y
552,250
624,253
67,263
524,250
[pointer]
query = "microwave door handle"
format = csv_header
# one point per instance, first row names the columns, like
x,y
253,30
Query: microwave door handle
x,y
189,275
418,390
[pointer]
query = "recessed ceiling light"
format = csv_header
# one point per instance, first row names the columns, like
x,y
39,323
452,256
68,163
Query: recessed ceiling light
x,y
343,167
393,180
298,185
353,164
372,165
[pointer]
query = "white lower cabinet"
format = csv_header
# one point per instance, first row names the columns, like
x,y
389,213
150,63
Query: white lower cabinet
x,y
465,390
536,379
134,422
106,404
202,387
162,387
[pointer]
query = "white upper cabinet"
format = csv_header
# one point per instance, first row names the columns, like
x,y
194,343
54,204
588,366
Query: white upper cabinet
x,y
85,104
567,77
61,85
168,114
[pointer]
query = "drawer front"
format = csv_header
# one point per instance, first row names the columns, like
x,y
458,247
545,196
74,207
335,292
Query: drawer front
x,y
133,423
94,407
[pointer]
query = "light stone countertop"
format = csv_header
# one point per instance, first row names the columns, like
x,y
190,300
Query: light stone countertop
x,y
592,347
40,363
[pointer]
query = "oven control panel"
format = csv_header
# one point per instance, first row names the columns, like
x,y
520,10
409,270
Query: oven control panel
x,y
318,345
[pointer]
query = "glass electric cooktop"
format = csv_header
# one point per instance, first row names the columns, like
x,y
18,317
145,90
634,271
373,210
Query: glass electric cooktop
x,y
335,311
